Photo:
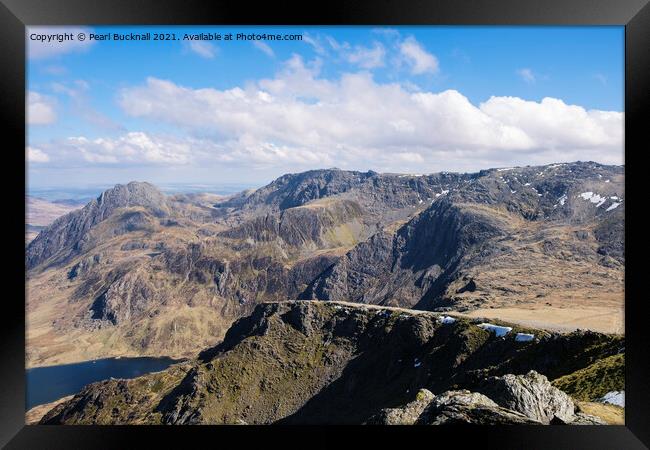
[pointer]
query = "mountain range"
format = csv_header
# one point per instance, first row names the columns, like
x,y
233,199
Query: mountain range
x,y
138,272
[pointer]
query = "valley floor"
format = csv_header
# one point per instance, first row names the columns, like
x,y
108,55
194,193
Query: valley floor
x,y
601,318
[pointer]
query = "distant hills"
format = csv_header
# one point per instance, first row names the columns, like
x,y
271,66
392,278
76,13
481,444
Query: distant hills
x,y
138,272
41,213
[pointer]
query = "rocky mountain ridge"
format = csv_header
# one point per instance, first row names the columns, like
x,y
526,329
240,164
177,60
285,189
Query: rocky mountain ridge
x,y
312,362
70,232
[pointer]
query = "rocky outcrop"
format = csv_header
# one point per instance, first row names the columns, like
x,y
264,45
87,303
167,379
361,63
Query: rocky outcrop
x,y
465,407
531,395
301,226
610,234
84,266
359,276
384,198
508,400
129,297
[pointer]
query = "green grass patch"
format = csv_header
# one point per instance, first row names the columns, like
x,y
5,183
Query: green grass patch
x,y
595,380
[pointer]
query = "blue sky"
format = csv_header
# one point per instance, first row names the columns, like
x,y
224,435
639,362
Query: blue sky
x,y
402,99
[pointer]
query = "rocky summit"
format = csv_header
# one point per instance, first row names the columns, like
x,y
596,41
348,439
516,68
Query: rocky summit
x,y
313,362
136,272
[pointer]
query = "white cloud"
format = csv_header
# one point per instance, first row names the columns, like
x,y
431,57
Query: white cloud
x,y
133,147
35,155
40,109
359,55
264,47
367,57
552,124
75,91
314,42
42,49
299,120
527,75
417,57
408,157
203,49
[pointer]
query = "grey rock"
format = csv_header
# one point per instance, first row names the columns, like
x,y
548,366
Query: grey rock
x,y
126,298
586,419
508,399
531,394
465,407
297,227
406,415
84,266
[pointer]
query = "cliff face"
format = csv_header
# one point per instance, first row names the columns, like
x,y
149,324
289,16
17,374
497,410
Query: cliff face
x,y
133,267
401,269
329,362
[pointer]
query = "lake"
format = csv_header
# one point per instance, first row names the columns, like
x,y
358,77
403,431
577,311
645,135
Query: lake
x,y
46,384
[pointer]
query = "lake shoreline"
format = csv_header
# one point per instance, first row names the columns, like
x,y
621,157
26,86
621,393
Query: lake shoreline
x,y
36,413
47,384
69,361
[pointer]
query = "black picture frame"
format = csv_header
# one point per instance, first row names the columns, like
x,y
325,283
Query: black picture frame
x,y
16,14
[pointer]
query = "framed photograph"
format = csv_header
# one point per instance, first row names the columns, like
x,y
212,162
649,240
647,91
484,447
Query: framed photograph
x,y
313,222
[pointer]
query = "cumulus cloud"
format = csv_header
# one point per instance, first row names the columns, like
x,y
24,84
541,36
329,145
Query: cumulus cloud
x,y
264,48
552,124
35,155
41,49
203,49
417,57
133,147
298,120
40,109
527,75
